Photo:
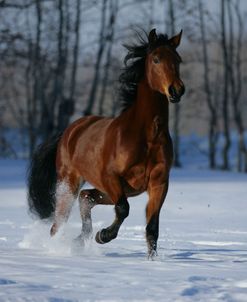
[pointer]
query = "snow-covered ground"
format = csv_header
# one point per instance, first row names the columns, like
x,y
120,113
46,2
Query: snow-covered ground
x,y
202,246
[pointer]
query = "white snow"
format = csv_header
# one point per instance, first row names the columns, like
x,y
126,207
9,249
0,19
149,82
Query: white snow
x,y
202,246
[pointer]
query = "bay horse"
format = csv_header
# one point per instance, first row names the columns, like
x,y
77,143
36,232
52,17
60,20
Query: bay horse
x,y
120,157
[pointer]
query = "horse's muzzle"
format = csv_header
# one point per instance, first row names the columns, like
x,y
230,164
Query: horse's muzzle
x,y
174,100
175,94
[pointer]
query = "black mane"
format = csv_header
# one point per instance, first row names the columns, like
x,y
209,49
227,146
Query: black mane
x,y
134,71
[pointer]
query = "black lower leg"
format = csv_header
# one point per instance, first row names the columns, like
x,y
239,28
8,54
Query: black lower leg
x,y
110,233
152,234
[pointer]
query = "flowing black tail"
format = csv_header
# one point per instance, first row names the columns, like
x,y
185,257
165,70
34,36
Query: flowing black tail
x,y
42,178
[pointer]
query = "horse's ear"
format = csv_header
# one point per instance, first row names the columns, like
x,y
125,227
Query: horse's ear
x,y
152,37
175,40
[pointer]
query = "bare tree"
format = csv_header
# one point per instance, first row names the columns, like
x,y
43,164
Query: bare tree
x,y
225,100
45,65
102,44
34,66
67,105
109,38
235,78
212,132
57,97
176,112
76,49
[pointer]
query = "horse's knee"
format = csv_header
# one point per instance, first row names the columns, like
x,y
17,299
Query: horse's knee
x,y
86,199
122,208
84,194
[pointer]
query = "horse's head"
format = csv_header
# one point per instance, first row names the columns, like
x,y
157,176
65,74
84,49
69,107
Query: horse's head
x,y
162,66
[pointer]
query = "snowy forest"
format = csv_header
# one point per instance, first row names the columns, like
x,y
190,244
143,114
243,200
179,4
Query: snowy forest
x,y
61,59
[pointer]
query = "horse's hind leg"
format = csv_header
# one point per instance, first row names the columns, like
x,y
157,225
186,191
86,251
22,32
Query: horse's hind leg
x,y
87,200
86,203
66,193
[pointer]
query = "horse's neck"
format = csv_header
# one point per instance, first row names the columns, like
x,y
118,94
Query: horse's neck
x,y
150,104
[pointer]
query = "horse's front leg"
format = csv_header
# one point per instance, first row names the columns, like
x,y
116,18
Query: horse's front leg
x,y
157,190
117,196
110,233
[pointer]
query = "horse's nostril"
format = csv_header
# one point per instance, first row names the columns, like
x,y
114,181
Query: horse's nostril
x,y
172,90
176,92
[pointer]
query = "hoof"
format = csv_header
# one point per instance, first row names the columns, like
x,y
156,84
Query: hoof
x,y
105,235
53,229
100,236
152,255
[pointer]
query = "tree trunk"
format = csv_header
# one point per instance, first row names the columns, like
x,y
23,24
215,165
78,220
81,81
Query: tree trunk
x,y
76,49
211,106
67,104
227,143
109,38
60,101
95,83
176,112
34,66
235,73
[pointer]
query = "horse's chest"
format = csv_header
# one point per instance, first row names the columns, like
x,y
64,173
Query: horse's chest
x,y
156,149
137,176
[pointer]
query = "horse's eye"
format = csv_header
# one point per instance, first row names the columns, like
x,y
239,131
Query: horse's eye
x,y
156,60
